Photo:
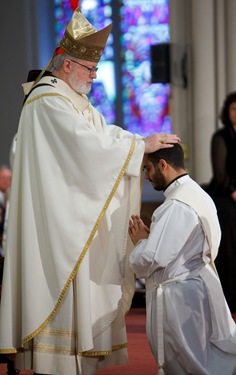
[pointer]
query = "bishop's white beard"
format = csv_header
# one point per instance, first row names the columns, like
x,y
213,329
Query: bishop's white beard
x,y
79,85
84,89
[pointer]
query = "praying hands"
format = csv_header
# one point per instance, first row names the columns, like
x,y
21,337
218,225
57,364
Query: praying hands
x,y
137,229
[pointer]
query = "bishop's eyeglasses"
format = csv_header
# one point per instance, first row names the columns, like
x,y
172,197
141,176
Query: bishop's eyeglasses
x,y
87,70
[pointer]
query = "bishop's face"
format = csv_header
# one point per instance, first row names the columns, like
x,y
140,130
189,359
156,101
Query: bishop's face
x,y
82,74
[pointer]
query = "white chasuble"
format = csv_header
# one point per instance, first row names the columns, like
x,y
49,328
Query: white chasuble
x,y
76,182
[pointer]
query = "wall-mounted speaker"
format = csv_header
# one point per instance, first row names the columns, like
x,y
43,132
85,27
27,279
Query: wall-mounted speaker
x,y
160,63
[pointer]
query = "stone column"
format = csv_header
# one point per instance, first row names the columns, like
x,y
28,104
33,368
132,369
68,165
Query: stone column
x,y
230,27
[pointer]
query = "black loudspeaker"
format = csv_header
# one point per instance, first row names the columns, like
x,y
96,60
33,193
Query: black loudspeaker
x,y
160,63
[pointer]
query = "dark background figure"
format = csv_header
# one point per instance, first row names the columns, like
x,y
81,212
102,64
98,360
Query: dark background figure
x,y
223,191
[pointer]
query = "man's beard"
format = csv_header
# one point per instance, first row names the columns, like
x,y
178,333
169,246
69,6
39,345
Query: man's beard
x,y
78,86
159,181
84,89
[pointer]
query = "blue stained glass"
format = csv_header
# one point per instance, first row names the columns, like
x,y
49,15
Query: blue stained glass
x,y
63,13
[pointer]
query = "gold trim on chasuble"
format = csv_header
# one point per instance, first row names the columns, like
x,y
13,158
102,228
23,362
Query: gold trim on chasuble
x,y
84,251
50,94
60,350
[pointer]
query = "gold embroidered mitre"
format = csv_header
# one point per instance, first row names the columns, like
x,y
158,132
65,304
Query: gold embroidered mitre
x,y
82,40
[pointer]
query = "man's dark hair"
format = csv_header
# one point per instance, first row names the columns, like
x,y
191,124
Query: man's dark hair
x,y
224,115
174,156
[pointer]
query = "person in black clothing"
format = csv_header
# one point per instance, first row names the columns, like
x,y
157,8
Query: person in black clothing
x,y
223,192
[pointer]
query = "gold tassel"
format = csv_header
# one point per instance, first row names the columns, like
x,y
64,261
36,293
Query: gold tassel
x,y
47,67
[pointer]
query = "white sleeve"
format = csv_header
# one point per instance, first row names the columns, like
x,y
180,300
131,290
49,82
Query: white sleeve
x,y
119,134
172,224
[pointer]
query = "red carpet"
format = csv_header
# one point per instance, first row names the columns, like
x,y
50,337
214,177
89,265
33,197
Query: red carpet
x,y
141,361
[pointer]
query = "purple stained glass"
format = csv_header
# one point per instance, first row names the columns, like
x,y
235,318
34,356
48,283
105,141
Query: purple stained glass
x,y
145,105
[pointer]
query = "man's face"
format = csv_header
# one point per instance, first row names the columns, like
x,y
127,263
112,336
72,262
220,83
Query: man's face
x,y
5,179
81,76
153,174
232,113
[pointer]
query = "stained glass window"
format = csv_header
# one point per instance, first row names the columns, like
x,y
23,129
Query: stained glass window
x,y
145,105
123,91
